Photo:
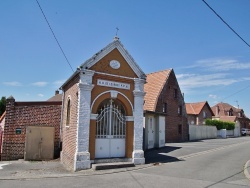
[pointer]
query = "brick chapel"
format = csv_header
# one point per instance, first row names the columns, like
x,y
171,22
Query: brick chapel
x,y
102,114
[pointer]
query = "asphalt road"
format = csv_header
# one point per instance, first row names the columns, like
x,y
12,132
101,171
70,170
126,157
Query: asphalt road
x,y
206,164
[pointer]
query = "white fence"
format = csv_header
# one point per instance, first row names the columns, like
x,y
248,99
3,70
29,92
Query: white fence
x,y
198,132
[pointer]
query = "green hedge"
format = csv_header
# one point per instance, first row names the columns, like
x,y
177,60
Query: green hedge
x,y
220,124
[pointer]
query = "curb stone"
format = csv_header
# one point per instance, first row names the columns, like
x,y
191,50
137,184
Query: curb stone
x,y
246,169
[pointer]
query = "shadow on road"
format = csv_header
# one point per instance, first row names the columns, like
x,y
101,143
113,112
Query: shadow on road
x,y
160,155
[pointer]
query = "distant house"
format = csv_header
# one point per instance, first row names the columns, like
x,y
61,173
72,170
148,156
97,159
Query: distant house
x,y
31,129
198,112
164,104
226,112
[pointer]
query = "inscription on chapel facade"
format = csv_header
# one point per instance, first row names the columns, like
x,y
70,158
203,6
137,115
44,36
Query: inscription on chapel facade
x,y
108,83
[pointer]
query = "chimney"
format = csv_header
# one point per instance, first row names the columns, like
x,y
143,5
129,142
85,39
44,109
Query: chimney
x,y
56,92
217,111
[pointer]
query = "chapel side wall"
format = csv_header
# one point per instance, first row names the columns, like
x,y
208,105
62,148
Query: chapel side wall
x,y
173,119
22,114
69,133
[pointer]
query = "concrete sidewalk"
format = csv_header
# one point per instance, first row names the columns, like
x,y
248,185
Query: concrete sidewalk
x,y
20,169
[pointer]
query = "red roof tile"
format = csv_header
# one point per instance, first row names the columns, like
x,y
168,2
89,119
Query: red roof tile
x,y
194,108
153,87
57,97
224,108
228,118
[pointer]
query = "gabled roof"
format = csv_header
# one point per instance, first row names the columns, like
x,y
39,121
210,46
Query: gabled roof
x,y
103,52
57,97
196,108
153,87
224,108
116,44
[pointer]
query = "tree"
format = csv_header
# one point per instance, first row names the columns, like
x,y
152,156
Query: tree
x,y
2,105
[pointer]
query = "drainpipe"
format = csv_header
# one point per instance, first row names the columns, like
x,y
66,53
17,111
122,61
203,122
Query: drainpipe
x,y
217,111
61,119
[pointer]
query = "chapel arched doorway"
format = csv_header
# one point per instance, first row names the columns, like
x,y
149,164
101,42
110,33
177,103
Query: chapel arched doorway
x,y
110,130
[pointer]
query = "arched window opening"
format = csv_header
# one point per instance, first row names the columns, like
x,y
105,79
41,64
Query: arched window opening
x,y
68,113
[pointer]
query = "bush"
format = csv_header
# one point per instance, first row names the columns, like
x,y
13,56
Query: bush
x,y
230,125
220,124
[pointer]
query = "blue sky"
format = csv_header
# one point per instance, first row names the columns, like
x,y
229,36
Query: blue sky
x,y
211,63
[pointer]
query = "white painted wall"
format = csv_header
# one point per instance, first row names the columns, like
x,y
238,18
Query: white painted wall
x,y
222,133
198,132
237,132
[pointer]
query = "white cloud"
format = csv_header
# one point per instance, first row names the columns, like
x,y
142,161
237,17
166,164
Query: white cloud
x,y
12,83
245,78
220,64
40,95
39,84
179,76
213,96
188,81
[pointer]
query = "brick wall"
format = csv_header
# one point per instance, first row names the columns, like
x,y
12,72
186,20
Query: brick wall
x,y
176,128
69,132
201,118
244,122
192,119
23,114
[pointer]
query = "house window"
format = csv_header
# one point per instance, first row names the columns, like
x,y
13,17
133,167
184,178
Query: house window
x,y
204,114
165,107
180,110
68,113
230,112
175,93
240,114
180,128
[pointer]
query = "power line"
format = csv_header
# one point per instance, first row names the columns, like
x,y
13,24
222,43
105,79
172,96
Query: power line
x,y
236,92
226,23
234,33
54,35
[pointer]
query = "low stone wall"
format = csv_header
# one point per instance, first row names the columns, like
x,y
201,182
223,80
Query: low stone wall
x,y
198,132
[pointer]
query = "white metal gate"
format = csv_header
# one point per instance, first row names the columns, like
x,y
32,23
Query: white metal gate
x,y
110,131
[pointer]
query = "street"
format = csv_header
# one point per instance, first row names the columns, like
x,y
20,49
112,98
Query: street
x,y
208,163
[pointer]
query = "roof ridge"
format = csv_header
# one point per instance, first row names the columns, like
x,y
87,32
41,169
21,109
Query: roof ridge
x,y
192,108
170,69
107,49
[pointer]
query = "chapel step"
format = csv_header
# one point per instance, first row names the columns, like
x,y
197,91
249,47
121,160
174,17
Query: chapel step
x,y
106,166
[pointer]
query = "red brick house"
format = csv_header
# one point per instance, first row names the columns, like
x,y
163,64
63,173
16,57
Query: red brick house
x,y
26,129
226,112
164,103
198,112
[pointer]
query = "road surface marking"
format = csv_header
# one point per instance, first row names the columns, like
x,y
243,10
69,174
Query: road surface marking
x,y
209,151
1,165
